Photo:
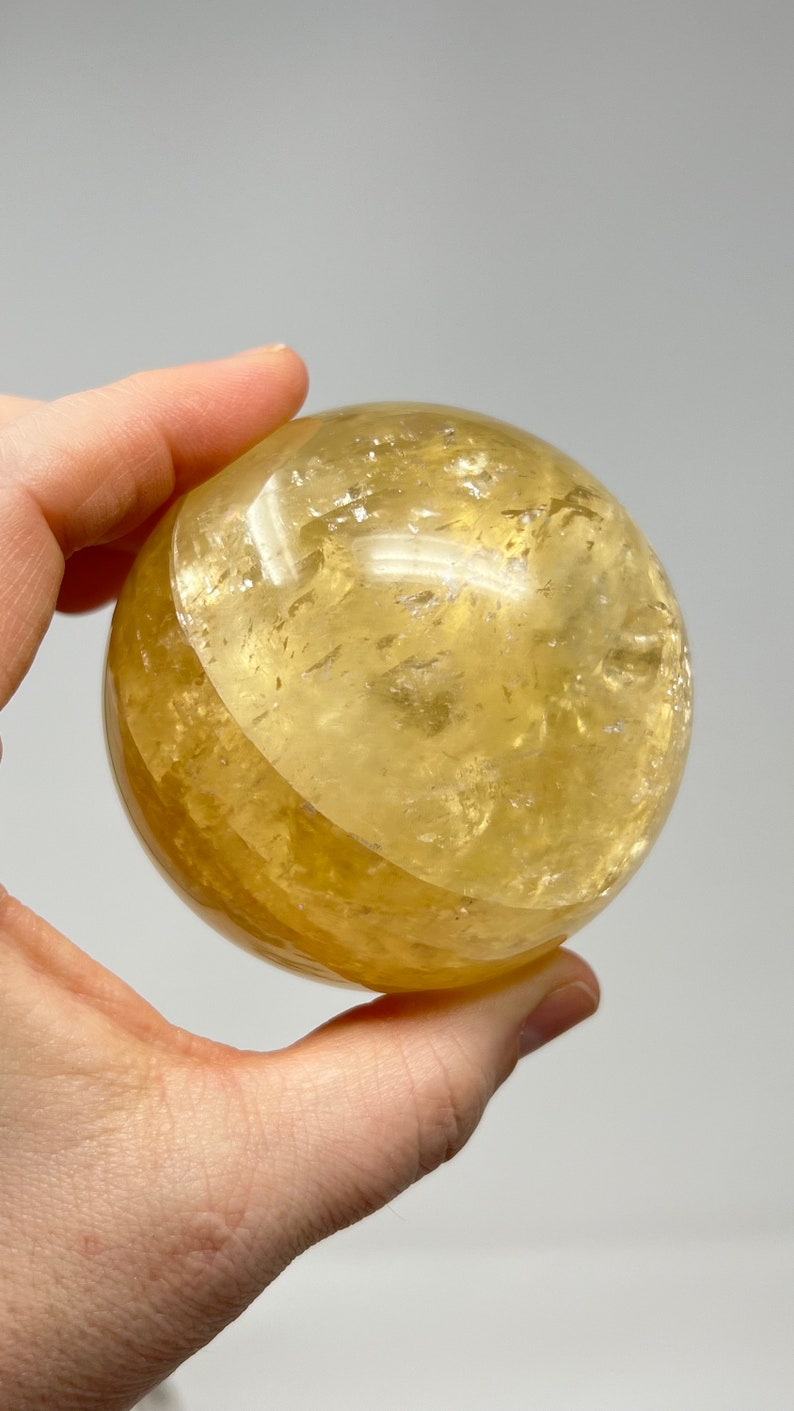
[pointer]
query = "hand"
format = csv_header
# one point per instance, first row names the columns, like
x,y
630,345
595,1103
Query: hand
x,y
153,1183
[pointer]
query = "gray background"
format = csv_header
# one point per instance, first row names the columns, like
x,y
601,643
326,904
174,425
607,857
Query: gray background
x,y
578,217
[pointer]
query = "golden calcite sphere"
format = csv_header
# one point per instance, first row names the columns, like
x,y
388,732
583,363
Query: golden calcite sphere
x,y
400,699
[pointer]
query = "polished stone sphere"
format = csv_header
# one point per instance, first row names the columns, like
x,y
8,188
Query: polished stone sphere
x,y
400,699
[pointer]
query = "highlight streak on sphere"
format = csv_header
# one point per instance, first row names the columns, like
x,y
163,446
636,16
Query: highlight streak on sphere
x,y
401,698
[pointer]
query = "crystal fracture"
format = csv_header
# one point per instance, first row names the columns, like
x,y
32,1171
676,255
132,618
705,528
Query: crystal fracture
x,y
400,699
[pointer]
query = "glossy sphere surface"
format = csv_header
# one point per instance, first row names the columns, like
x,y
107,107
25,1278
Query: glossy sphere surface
x,y
400,698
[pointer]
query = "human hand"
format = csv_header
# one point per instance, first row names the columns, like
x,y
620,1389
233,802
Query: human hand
x,y
152,1183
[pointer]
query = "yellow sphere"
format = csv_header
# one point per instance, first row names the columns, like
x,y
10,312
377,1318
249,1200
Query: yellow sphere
x,y
400,699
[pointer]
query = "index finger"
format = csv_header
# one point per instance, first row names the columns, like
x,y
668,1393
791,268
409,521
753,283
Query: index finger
x,y
90,468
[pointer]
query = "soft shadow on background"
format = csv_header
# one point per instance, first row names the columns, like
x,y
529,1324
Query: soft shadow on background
x,y
577,217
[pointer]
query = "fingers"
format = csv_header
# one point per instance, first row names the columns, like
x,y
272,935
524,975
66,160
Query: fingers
x,y
387,1092
12,408
100,462
91,468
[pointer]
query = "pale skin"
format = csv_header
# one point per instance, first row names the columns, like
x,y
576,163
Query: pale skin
x,y
152,1182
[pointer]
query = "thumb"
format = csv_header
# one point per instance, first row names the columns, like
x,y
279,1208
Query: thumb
x,y
388,1091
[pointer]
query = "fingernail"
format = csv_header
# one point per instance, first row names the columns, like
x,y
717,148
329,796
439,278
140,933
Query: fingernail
x,y
262,348
558,1012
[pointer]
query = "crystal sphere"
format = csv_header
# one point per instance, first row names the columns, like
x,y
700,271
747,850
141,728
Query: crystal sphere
x,y
400,699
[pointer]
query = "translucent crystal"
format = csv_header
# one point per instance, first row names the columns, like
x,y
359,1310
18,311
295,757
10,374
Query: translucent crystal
x,y
400,698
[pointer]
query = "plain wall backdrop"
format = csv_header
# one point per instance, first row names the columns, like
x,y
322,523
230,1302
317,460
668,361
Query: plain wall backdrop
x,y
575,216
